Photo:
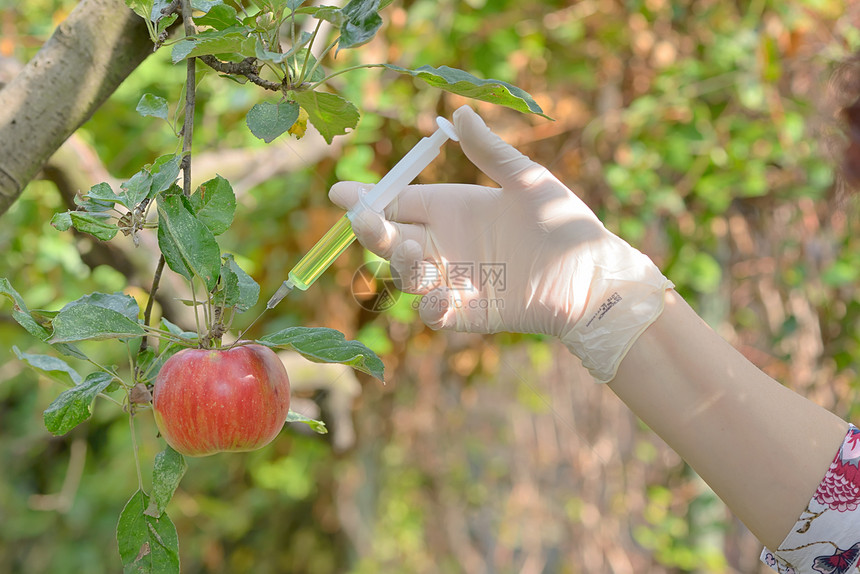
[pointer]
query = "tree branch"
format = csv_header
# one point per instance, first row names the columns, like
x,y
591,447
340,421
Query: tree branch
x,y
246,68
77,69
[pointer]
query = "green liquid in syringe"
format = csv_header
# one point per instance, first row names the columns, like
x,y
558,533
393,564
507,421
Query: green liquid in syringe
x,y
323,254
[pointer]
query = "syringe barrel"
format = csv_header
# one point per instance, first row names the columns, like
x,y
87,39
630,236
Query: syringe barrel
x,y
407,169
323,254
340,236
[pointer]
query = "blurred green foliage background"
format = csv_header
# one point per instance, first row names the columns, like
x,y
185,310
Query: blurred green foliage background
x,y
703,132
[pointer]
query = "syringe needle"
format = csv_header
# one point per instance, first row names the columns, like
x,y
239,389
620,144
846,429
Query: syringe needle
x,y
279,295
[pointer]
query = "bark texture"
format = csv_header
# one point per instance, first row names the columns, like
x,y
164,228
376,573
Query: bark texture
x,y
79,67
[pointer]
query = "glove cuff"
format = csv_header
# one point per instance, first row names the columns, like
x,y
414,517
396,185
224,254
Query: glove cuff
x,y
622,304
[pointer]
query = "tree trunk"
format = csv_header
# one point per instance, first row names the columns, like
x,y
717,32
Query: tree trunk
x,y
78,68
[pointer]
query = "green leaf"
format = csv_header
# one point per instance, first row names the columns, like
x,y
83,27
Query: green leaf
x,y
103,195
215,204
276,6
248,291
20,312
136,189
317,426
153,106
156,14
27,319
204,5
331,14
98,225
86,322
265,55
177,330
142,8
164,170
147,545
120,302
74,405
52,367
362,22
86,203
188,246
165,23
267,120
233,40
62,221
228,291
330,114
167,472
219,16
324,345
465,84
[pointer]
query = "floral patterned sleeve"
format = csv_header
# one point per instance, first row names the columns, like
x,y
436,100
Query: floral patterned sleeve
x,y
826,537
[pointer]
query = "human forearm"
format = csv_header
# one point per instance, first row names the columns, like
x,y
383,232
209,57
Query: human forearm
x,y
760,446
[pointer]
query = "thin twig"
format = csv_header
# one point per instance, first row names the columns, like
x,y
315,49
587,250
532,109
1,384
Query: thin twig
x,y
246,68
147,313
167,336
190,96
170,9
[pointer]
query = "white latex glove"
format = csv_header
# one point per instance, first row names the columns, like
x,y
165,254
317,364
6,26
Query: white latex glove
x,y
528,256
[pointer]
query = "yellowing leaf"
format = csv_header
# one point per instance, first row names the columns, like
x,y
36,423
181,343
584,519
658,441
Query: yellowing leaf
x,y
301,126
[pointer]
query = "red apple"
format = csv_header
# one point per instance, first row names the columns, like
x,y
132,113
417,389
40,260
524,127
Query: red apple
x,y
215,400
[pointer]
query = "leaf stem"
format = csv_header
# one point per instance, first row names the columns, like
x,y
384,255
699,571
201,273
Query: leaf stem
x,y
131,358
320,59
109,398
308,54
166,335
277,71
343,71
229,322
135,449
292,33
111,372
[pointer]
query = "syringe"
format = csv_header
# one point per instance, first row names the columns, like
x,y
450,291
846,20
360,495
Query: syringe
x,y
340,236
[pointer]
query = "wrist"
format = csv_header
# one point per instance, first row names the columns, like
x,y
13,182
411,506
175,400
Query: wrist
x,y
620,306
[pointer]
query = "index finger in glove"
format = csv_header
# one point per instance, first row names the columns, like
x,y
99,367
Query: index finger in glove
x,y
410,205
382,236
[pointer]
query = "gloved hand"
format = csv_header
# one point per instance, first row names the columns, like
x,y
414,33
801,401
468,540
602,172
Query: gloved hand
x,y
528,256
